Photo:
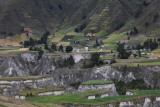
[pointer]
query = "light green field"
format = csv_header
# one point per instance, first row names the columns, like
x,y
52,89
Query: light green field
x,y
71,33
101,33
79,37
36,91
77,98
58,37
103,58
61,34
97,82
89,93
110,42
21,78
65,31
145,64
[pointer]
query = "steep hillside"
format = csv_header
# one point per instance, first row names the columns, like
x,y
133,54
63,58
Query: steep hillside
x,y
149,20
55,14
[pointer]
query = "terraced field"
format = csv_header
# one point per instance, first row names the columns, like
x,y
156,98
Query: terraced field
x,y
111,41
78,98
36,91
61,34
21,78
136,62
97,82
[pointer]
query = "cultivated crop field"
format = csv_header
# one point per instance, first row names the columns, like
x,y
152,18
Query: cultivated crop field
x,y
78,98
111,41
97,82
61,34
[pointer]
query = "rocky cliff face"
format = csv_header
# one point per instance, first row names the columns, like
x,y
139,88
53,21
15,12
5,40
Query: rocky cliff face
x,y
27,64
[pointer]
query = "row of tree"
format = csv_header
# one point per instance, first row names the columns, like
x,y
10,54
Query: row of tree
x,y
148,44
123,53
33,42
67,62
94,61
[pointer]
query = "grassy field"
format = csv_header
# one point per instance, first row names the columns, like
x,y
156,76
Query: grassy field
x,y
58,37
63,43
101,33
145,64
97,82
89,93
61,34
22,52
13,50
103,58
21,78
135,62
71,33
110,42
36,91
77,98
79,37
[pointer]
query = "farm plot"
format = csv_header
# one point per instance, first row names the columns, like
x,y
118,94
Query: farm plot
x,y
63,43
68,38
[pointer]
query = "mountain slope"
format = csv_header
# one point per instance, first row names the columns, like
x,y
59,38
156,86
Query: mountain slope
x,y
41,15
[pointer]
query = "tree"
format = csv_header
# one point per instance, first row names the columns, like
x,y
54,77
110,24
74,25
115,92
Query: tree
x,y
40,54
54,47
138,13
68,62
95,58
146,24
76,30
71,60
156,17
82,27
31,95
69,49
123,53
135,30
31,48
145,3
139,53
46,47
45,37
27,95
97,43
61,48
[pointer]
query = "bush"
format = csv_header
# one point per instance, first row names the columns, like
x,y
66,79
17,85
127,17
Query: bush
x,y
122,87
69,49
113,61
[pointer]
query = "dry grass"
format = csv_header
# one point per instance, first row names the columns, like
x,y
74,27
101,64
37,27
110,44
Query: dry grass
x,y
9,41
130,62
11,102
63,43
14,50
36,91
71,33
21,78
